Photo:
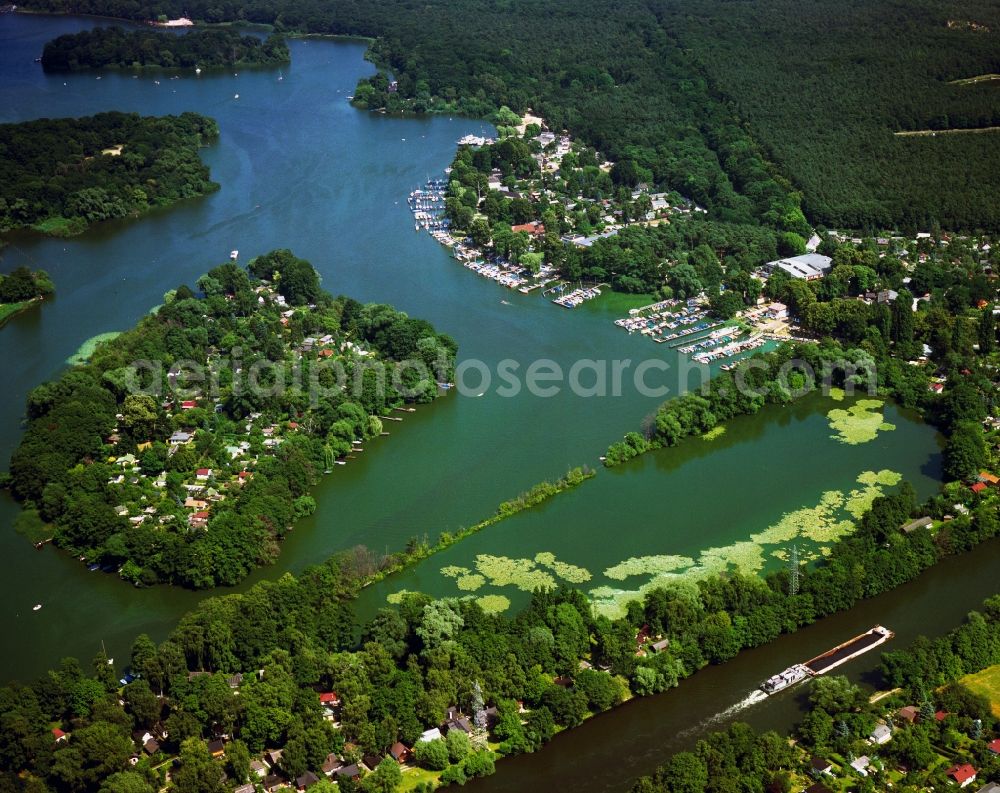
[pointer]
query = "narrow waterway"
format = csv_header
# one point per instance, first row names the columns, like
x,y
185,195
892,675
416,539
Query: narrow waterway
x,y
610,751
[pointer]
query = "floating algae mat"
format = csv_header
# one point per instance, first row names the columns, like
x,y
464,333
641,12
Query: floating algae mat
x,y
780,478
822,524
819,525
860,423
86,350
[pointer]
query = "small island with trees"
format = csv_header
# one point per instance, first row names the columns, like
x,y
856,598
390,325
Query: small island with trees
x,y
58,176
115,47
138,468
21,289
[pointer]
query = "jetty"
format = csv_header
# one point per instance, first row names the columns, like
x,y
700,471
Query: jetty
x,y
578,296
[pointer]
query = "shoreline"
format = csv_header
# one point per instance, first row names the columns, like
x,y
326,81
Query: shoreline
x,y
447,539
10,310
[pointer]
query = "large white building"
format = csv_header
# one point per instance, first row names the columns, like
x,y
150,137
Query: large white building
x,y
809,266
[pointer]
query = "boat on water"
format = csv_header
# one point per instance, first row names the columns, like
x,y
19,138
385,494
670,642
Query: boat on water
x,y
783,680
234,255
37,607
827,661
849,650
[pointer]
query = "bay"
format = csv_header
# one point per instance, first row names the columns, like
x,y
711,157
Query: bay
x,y
299,168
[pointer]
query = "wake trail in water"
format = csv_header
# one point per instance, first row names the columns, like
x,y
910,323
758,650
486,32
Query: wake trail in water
x,y
753,698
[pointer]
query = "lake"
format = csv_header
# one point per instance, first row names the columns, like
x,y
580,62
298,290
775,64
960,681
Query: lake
x,y
300,168
679,502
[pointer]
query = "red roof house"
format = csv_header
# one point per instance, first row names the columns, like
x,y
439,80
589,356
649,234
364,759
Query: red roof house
x,y
994,746
329,698
979,487
188,404
58,734
961,775
535,229
399,752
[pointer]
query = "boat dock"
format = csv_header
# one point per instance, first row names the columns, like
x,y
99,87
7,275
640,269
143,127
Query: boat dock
x,y
427,205
578,296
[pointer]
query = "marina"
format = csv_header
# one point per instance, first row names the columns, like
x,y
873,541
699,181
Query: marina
x,y
827,661
688,327
578,296
427,205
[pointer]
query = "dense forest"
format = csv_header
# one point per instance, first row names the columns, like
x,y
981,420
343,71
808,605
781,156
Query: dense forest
x,y
818,87
936,723
679,86
279,668
22,284
203,49
138,470
60,175
20,289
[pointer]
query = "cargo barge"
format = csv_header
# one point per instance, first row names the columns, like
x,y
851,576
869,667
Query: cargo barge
x,y
831,659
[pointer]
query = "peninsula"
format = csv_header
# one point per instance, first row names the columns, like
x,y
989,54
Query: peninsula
x,y
116,47
184,451
21,289
59,176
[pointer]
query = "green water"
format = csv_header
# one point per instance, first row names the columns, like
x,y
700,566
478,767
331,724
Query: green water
x,y
683,500
299,167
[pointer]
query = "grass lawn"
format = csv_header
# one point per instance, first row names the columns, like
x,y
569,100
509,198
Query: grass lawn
x,y
7,310
619,303
414,776
987,683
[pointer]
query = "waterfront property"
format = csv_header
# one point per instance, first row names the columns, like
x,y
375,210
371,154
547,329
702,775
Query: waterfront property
x,y
808,266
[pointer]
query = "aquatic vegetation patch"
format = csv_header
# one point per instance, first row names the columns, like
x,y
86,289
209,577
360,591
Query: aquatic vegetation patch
x,y
884,477
454,571
860,423
566,571
397,597
830,519
647,565
714,433
29,523
86,350
493,604
470,583
521,573
746,556
837,394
